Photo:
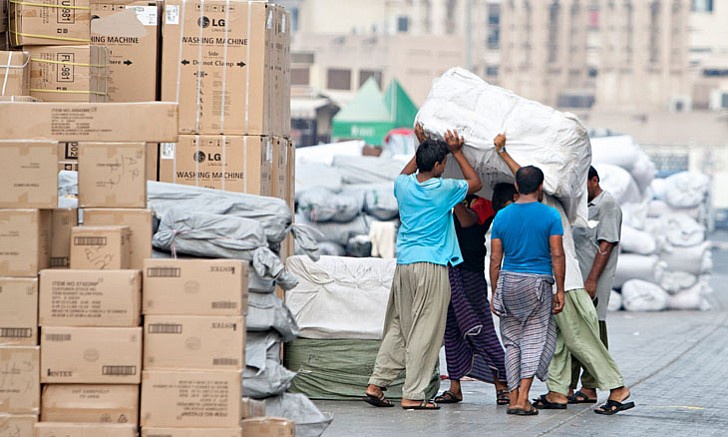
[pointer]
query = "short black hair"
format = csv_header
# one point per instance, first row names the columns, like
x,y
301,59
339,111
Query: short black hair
x,y
430,152
529,178
502,194
593,173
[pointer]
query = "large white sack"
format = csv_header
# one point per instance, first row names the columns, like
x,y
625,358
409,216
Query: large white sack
x,y
634,214
340,298
695,260
556,142
632,266
639,295
683,231
658,187
325,153
686,189
643,171
691,299
676,281
636,241
619,183
619,150
315,175
615,301
660,208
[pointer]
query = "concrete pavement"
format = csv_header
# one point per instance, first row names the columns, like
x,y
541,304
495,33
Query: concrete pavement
x,y
676,364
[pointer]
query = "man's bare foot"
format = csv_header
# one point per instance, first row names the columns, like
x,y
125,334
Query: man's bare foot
x,y
374,390
418,405
591,393
619,394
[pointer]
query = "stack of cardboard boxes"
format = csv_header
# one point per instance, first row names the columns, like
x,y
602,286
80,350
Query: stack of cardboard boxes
x,y
194,349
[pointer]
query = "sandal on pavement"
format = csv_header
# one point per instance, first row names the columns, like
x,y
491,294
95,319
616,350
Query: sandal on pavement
x,y
529,412
502,397
512,410
378,401
544,404
581,398
424,405
614,407
448,397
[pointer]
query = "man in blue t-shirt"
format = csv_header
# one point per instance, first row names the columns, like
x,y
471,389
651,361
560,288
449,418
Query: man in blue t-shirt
x,y
426,244
529,235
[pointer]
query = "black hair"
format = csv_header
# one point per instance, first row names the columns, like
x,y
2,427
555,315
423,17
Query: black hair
x,y
502,194
429,153
593,173
529,178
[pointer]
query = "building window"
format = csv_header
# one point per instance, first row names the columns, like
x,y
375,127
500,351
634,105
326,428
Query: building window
x,y
702,6
715,72
402,24
654,48
338,79
294,19
553,42
491,70
493,41
301,76
364,75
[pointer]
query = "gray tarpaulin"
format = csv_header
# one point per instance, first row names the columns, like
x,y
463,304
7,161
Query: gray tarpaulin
x,y
264,376
266,312
310,421
323,205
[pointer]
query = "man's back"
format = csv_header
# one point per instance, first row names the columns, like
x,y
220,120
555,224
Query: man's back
x,y
524,230
427,232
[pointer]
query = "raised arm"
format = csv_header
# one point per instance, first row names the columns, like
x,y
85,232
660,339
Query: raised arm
x,y
558,261
500,147
466,216
455,142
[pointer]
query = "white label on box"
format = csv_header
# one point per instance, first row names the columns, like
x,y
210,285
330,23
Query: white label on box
x,y
147,15
269,152
171,14
283,24
269,21
167,151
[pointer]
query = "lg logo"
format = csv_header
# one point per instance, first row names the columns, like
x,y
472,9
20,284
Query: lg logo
x,y
201,157
205,22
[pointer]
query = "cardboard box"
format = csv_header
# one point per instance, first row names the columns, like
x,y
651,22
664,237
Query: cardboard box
x,y
49,22
188,399
202,287
91,355
68,122
64,220
69,73
253,408
5,40
280,167
221,73
194,342
29,178
291,173
240,164
89,403
59,429
192,432
19,378
19,311
14,73
20,425
112,175
90,298
269,427
68,158
129,29
100,247
139,222
25,241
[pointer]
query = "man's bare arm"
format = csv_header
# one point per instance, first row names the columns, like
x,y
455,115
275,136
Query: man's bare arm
x,y
558,261
456,143
600,263
411,167
500,147
496,258
466,216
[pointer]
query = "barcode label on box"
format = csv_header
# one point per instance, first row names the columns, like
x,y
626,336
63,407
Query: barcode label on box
x,y
224,305
58,337
147,15
60,262
16,332
225,362
118,370
171,15
164,328
89,241
164,272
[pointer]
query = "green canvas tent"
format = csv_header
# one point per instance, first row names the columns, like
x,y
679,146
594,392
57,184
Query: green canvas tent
x,y
370,115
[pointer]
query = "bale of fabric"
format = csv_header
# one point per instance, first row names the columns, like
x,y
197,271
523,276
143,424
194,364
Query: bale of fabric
x,y
633,266
556,142
639,295
340,369
321,205
267,312
264,375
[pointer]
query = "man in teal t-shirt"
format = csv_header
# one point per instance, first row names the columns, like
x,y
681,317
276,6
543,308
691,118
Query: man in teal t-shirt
x,y
426,244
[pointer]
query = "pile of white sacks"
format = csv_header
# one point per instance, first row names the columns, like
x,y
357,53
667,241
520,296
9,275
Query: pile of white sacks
x,y
665,260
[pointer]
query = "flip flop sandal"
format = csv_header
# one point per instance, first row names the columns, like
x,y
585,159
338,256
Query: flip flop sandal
x,y
614,407
512,410
581,398
378,401
522,412
544,404
502,397
422,406
448,397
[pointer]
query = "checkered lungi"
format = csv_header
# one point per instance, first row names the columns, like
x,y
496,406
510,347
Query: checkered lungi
x,y
527,326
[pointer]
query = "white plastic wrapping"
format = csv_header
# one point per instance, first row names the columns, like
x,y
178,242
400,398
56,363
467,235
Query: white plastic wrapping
x,y
554,141
686,190
632,266
636,241
638,295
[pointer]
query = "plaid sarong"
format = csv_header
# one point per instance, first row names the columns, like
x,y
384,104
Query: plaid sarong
x,y
527,326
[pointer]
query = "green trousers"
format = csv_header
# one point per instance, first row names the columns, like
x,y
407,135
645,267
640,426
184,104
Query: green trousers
x,y
414,327
578,336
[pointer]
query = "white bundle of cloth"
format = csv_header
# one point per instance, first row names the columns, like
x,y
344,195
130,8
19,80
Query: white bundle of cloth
x,y
554,141
639,295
